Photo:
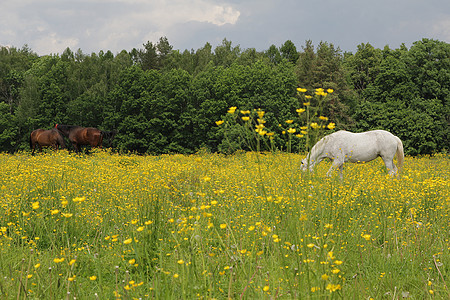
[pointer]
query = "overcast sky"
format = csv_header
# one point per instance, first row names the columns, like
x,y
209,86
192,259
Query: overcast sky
x,y
50,26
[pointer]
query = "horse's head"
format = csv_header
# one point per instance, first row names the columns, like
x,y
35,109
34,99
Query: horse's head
x,y
304,165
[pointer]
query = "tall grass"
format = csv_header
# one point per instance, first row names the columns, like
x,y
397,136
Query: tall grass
x,y
211,226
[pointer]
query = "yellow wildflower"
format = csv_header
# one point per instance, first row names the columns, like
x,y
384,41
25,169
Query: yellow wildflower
x,y
333,287
260,113
330,255
218,123
232,109
79,199
366,237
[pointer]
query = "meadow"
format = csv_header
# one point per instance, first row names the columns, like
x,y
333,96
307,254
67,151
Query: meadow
x,y
210,226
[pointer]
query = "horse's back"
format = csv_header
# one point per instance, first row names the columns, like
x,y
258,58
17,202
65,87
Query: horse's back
x,y
92,136
35,133
362,146
46,137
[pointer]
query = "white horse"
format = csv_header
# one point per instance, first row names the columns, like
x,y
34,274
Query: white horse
x,y
343,146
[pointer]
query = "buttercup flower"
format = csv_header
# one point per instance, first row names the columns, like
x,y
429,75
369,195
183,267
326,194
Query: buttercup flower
x,y
232,109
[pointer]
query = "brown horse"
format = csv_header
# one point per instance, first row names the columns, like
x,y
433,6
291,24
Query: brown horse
x,y
43,137
79,136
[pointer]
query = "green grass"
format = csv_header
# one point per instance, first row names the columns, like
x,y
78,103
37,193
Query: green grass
x,y
211,226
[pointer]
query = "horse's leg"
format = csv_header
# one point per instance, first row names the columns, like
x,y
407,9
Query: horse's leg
x,y
75,145
389,163
341,169
336,164
329,171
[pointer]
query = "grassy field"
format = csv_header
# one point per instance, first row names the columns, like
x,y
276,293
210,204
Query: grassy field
x,y
215,227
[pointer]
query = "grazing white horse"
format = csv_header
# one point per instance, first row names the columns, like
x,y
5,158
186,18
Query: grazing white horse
x,y
343,146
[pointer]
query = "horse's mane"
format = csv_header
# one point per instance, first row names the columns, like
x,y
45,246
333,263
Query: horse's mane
x,y
317,148
62,126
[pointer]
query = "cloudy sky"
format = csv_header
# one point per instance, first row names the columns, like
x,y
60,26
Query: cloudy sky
x,y
50,26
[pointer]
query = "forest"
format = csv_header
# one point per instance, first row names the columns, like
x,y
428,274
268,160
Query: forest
x,y
161,100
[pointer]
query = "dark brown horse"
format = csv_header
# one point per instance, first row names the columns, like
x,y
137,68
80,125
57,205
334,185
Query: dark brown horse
x,y
43,137
79,136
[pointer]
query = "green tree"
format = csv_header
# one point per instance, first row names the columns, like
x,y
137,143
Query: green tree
x,y
260,85
273,54
13,64
395,101
363,67
225,54
8,129
324,68
289,51
164,51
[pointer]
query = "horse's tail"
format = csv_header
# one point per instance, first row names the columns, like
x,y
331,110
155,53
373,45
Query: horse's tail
x,y
400,154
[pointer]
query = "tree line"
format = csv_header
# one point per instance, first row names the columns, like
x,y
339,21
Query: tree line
x,y
161,100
